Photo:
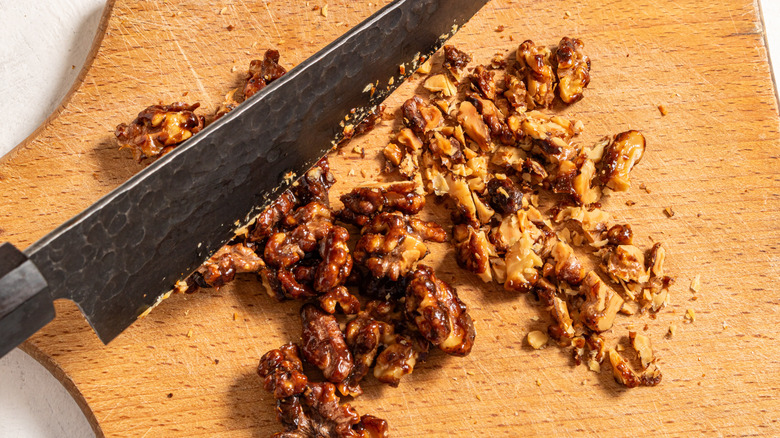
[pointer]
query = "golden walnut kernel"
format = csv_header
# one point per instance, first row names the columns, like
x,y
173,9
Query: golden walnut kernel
x,y
537,339
573,69
620,157
158,129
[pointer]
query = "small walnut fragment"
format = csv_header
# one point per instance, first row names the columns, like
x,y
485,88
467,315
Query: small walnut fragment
x,y
455,61
601,303
158,129
473,250
262,73
620,157
441,84
650,374
573,69
537,339
536,66
440,316
222,267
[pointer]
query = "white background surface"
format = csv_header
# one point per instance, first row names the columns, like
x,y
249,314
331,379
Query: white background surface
x,y
44,45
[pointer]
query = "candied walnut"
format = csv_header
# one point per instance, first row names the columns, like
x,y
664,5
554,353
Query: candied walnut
x,y
364,336
440,316
460,192
483,81
455,61
282,372
230,260
336,261
158,129
620,157
392,243
363,203
441,84
535,64
494,119
574,178
573,69
419,116
323,344
654,262
601,303
563,328
567,267
521,264
262,73
473,250
229,104
515,92
592,222
393,154
315,184
265,224
372,427
339,296
407,138
473,125
620,235
627,263
552,134
504,195
629,378
447,149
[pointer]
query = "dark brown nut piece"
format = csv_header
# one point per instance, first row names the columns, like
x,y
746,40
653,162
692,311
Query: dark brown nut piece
x,y
230,260
620,235
339,296
282,372
395,361
283,250
419,116
283,285
382,288
372,427
262,73
440,316
336,261
323,344
309,224
620,157
629,378
455,61
601,303
535,64
563,327
567,267
473,125
515,92
315,184
473,250
392,243
627,263
363,203
504,195
158,129
364,336
654,260
573,69
483,81
265,224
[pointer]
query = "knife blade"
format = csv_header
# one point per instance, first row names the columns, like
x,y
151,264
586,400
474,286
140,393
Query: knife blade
x,y
118,257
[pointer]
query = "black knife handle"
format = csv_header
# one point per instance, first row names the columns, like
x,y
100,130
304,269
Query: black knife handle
x,y
25,303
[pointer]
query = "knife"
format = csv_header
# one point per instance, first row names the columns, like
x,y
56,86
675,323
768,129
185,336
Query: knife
x,y
118,258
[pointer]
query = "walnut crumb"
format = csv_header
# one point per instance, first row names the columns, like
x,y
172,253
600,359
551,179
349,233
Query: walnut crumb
x,y
672,330
189,334
690,315
538,382
696,283
668,212
235,316
500,28
479,397
324,10
662,109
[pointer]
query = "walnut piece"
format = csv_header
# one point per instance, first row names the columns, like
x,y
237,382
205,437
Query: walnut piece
x,y
440,316
573,69
455,61
419,116
535,64
473,250
620,157
158,129
262,73
228,261
323,344
601,303
363,203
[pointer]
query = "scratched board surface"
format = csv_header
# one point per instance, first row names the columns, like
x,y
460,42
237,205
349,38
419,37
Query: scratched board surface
x,y
713,159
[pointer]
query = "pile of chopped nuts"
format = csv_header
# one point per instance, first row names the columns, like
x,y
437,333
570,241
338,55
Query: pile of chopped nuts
x,y
525,195
525,202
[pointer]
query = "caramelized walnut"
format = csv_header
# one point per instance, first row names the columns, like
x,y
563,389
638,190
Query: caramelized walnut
x,y
627,263
620,235
262,73
339,296
504,195
323,344
535,64
473,250
473,125
392,243
483,81
158,129
363,203
266,223
440,316
230,260
494,119
282,372
315,184
601,303
620,157
629,378
336,261
455,61
567,267
573,69
515,92
419,116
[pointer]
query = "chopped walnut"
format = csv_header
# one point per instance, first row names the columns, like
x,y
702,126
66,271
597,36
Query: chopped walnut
x,y
537,340
483,81
363,203
573,69
473,250
535,65
324,345
625,375
494,119
515,92
521,264
620,157
562,328
601,303
315,184
262,73
230,260
392,244
553,134
455,61
441,84
158,129
627,263
620,235
567,267
266,223
471,121
440,316
419,116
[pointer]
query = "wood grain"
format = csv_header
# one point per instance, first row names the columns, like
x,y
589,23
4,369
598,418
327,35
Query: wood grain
x,y
713,159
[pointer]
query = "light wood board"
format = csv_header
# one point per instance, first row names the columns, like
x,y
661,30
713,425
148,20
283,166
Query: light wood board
x,y
713,159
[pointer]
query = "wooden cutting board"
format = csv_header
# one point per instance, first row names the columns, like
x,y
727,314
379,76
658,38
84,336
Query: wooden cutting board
x,y
713,159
